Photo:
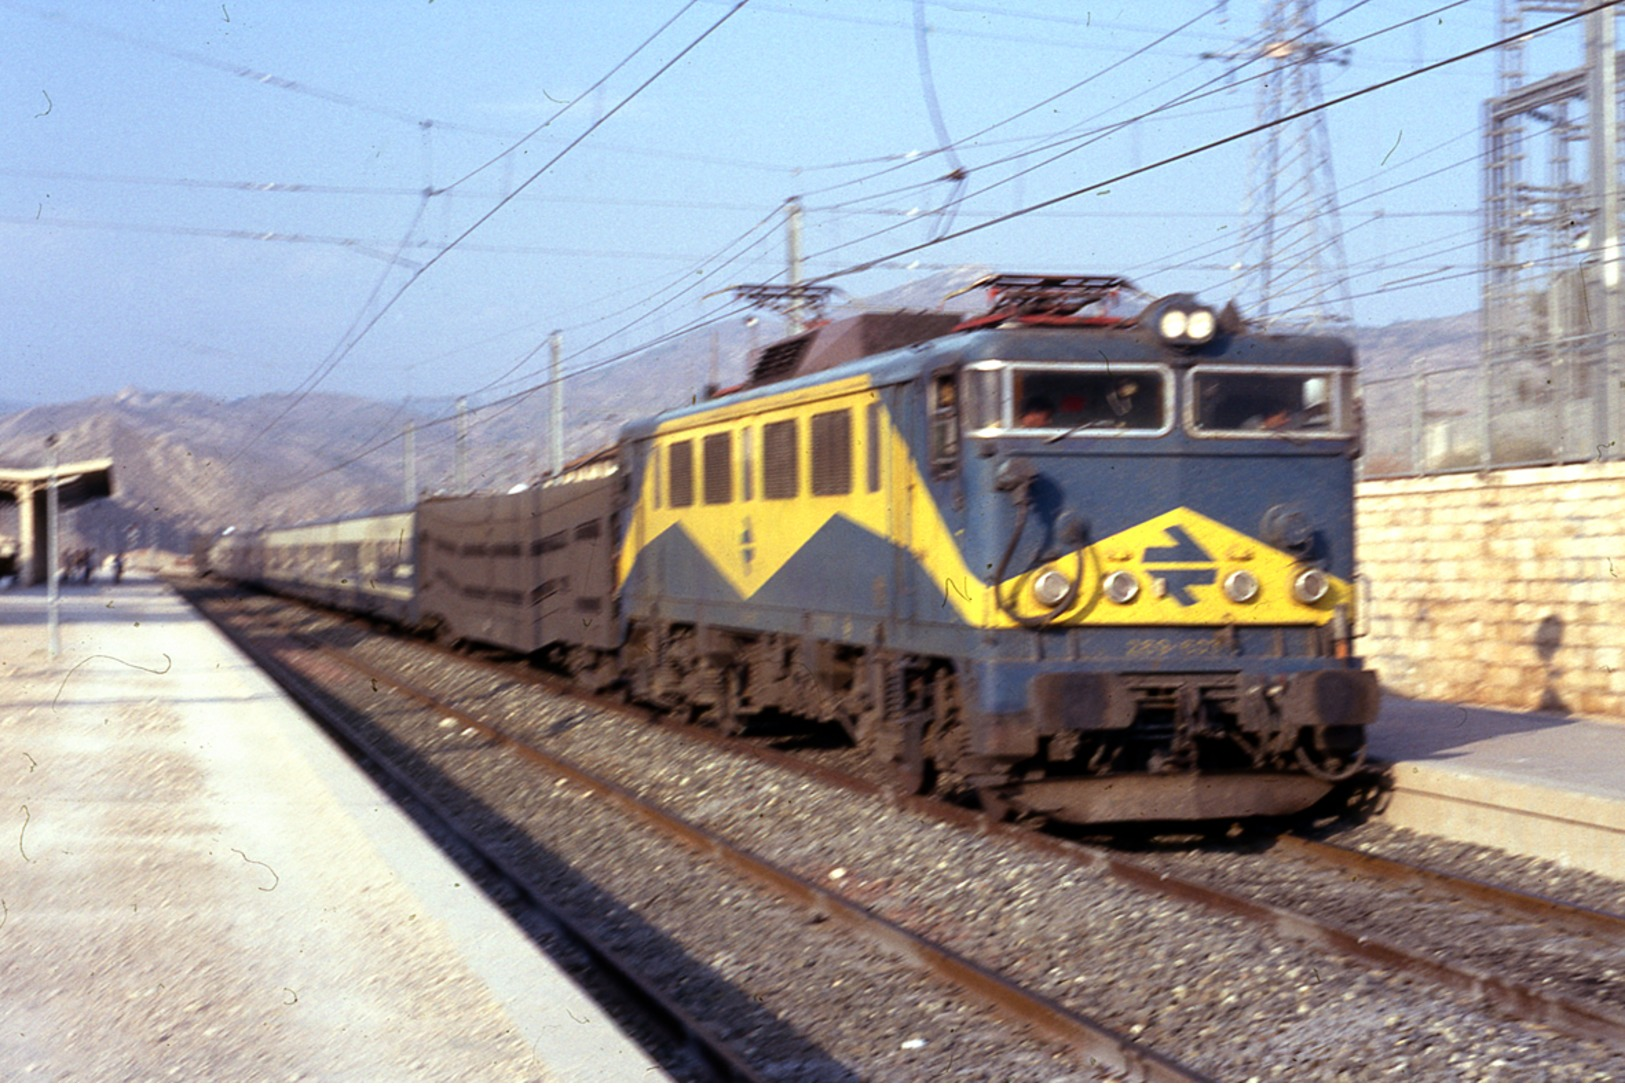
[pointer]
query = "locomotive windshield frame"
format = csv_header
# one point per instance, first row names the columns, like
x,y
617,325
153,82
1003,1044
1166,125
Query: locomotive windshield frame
x,y
1237,401
1056,400
1087,399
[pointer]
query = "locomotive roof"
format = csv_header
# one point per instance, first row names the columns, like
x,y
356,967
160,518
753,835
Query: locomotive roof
x,y
1036,342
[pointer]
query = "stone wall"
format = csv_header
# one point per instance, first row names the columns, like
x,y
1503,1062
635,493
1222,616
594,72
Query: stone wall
x,y
1502,588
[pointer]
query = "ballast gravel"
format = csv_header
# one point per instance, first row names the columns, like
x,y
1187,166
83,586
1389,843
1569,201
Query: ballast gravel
x,y
1507,946
1225,996
803,1000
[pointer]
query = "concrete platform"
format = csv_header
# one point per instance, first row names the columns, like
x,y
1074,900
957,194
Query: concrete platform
x,y
1532,783
196,885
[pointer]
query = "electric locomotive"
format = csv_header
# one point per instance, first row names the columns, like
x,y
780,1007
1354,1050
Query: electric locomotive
x,y
1090,566
1095,567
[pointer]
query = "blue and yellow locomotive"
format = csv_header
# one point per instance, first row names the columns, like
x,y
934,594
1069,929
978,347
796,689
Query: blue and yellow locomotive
x,y
1090,566
1095,567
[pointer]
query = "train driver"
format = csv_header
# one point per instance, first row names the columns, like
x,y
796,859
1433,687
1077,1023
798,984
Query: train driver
x,y
1036,411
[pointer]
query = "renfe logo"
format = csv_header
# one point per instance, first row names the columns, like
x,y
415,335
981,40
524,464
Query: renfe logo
x,y
1182,566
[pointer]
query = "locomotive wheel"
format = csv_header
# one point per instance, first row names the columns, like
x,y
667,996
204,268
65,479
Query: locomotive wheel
x,y
994,804
911,770
726,711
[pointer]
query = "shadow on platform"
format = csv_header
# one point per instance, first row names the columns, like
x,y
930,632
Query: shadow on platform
x,y
1411,729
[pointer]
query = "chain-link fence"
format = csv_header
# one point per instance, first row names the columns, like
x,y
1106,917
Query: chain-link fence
x,y
1551,405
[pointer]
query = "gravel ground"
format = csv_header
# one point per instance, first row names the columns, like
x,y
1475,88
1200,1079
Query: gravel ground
x,y
801,999
1530,874
1220,994
1542,955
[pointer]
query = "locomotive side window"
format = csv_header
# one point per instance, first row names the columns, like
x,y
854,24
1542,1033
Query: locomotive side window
x,y
1089,400
872,444
832,452
984,398
718,453
779,459
944,424
680,463
654,460
746,464
1254,403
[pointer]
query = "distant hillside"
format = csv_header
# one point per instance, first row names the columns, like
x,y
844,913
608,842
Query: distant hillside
x,y
1438,343
186,464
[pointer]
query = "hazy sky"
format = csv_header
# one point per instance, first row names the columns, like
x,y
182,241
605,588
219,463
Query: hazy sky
x,y
229,198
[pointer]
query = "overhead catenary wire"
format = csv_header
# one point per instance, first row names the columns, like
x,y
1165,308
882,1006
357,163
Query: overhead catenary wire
x,y
1204,90
357,334
871,265
510,401
1216,143
908,159
339,350
1072,145
874,263
299,87
605,78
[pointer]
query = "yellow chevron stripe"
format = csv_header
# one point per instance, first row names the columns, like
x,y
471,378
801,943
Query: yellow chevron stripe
x,y
1180,557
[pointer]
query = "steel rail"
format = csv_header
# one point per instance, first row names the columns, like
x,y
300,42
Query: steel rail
x,y
1600,923
1080,1034
627,980
1489,992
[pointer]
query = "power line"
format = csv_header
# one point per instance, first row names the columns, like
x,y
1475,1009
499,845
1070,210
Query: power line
x,y
336,355
241,71
912,157
605,78
1212,144
512,400
298,87
387,251
349,342
1183,256
1206,89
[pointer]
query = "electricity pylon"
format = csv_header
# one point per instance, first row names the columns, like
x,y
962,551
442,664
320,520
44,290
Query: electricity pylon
x,y
1293,270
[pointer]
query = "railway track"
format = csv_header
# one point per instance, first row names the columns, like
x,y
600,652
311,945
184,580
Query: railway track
x,y
1100,1050
1314,931
1359,864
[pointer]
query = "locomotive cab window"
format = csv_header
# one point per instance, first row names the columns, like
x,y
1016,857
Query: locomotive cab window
x,y
1073,400
1255,403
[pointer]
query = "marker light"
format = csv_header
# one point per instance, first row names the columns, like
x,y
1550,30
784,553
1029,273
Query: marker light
x,y
1241,586
1311,586
1051,587
1120,587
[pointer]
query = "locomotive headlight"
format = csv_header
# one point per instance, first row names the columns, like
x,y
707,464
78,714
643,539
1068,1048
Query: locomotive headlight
x,y
1200,325
1120,587
1051,587
1311,586
1241,586
1173,324
1179,320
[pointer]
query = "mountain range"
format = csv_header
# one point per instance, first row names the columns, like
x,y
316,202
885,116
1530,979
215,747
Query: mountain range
x,y
186,464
